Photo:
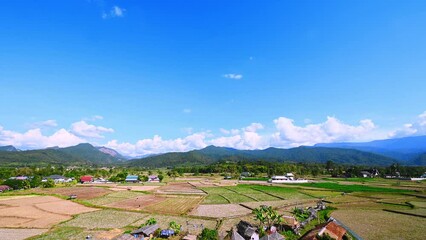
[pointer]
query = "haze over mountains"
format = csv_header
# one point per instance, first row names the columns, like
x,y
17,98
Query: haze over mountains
x,y
406,151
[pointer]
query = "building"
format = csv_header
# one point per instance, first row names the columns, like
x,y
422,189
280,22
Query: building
x,y
86,179
330,228
273,236
153,178
57,179
247,231
146,231
21,178
132,178
4,188
236,236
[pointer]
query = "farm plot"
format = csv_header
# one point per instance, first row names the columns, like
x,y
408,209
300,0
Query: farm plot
x,y
104,219
37,212
220,211
174,205
180,188
137,203
83,193
384,225
19,234
115,197
192,225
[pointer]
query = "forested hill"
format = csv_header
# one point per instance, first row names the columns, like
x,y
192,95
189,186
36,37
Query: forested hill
x,y
214,154
81,154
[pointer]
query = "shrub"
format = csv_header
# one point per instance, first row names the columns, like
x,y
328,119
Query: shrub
x,y
209,234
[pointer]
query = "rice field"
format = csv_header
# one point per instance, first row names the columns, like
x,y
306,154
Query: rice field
x,y
174,205
114,197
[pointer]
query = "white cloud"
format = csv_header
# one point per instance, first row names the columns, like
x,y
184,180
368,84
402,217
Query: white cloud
x,y
332,130
33,139
47,123
83,129
187,110
116,11
233,76
418,127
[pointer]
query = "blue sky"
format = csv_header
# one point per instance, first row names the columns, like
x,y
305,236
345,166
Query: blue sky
x,y
155,76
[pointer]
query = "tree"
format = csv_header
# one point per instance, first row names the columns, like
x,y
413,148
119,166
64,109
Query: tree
x,y
267,216
49,183
17,184
209,234
151,221
35,181
161,177
175,227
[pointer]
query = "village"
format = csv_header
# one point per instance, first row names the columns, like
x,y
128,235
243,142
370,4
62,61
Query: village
x,y
204,207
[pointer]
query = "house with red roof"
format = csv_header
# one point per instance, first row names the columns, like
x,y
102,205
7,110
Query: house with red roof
x,y
86,178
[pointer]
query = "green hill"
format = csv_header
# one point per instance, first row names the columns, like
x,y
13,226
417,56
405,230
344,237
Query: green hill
x,y
81,154
213,154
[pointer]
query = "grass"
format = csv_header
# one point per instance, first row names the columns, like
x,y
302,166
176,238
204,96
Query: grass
x,y
61,233
114,197
352,188
215,199
255,179
104,219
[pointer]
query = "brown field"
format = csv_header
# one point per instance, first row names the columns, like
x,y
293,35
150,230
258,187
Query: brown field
x,y
193,225
175,205
137,203
220,210
179,188
84,193
378,224
37,211
19,234
134,188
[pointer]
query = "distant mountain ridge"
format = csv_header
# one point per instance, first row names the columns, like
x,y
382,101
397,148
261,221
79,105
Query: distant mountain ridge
x,y
8,148
212,154
406,149
81,154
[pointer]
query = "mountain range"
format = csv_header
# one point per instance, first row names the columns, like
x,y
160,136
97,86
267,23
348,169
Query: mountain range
x,y
406,151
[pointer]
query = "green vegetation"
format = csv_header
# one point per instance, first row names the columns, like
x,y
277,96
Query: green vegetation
x,y
61,233
352,188
209,234
267,216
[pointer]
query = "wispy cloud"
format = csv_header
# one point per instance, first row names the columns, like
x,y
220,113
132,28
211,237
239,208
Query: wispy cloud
x,y
47,123
233,76
187,110
116,11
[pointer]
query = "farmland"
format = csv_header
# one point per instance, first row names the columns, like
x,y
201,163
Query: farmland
x,y
204,203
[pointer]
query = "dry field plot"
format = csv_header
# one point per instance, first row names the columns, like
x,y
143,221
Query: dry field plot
x,y
84,193
134,188
136,203
37,212
378,224
220,210
193,225
104,219
19,234
115,197
174,205
179,188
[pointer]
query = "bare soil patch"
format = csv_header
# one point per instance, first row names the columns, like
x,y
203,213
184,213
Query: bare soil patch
x,y
180,188
19,234
38,212
135,188
137,203
84,193
175,205
220,210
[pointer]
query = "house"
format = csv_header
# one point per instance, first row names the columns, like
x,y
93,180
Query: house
x,y
4,188
167,233
247,231
290,221
86,179
330,228
236,236
57,179
146,231
153,178
273,236
245,174
365,174
21,178
132,178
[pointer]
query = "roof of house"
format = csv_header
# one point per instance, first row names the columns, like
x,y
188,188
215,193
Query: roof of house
x,y
4,187
86,178
132,177
146,230
290,221
153,176
56,177
272,236
236,236
245,229
332,228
